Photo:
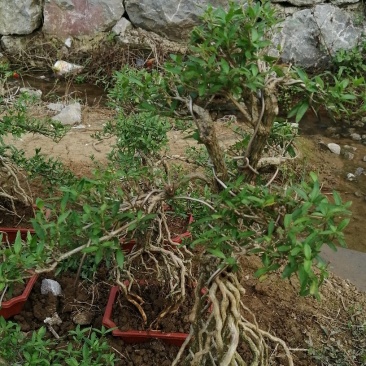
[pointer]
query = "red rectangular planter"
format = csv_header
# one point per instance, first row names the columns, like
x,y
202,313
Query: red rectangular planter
x,y
11,233
15,305
137,336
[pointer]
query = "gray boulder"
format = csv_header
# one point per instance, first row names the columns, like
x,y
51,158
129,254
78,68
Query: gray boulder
x,y
311,36
20,16
142,39
64,18
70,115
172,19
334,148
122,26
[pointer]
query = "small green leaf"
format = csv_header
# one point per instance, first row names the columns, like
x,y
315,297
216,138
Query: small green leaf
x,y
301,111
307,251
342,225
287,220
120,258
90,249
307,265
18,243
225,66
63,217
284,248
260,272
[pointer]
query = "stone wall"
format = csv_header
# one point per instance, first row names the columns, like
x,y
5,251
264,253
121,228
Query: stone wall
x,y
311,30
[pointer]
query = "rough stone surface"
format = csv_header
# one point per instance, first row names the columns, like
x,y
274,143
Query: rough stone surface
x,y
20,16
122,26
334,148
33,93
63,18
169,18
142,39
57,107
359,171
83,318
70,115
351,177
50,286
13,45
355,136
348,155
311,36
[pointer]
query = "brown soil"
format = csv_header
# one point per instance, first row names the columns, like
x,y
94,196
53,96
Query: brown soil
x,y
16,290
156,301
299,321
21,219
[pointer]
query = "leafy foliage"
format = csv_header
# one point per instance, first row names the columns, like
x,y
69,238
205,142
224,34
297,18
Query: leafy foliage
x,y
16,347
286,227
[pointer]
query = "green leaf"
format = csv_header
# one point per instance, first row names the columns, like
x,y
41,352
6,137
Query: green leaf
x,y
98,256
271,226
337,198
342,225
307,251
289,269
120,258
217,253
287,220
304,106
63,217
260,272
284,248
225,66
18,243
307,265
90,249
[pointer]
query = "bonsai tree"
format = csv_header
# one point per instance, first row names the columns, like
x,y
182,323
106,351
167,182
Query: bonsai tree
x,y
239,213
229,64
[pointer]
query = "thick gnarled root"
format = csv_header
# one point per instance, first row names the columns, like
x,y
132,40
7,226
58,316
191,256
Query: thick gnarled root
x,y
221,334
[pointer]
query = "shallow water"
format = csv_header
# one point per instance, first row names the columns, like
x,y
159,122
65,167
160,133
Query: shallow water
x,y
57,89
339,167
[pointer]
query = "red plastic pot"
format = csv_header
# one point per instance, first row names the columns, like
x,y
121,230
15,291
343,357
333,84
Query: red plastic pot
x,y
15,305
137,336
10,233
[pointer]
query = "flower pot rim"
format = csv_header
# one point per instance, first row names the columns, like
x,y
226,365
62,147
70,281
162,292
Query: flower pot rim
x,y
137,336
14,306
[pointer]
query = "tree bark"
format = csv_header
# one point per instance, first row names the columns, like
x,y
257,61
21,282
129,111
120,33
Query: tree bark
x,y
261,135
208,137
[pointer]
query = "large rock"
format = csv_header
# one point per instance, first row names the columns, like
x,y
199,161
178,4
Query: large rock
x,y
142,39
20,16
63,18
310,37
69,115
169,18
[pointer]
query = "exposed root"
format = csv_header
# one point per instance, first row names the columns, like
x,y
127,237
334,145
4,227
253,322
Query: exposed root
x,y
157,259
221,334
11,190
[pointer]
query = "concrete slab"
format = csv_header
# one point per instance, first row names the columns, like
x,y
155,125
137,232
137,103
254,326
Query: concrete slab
x,y
347,264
